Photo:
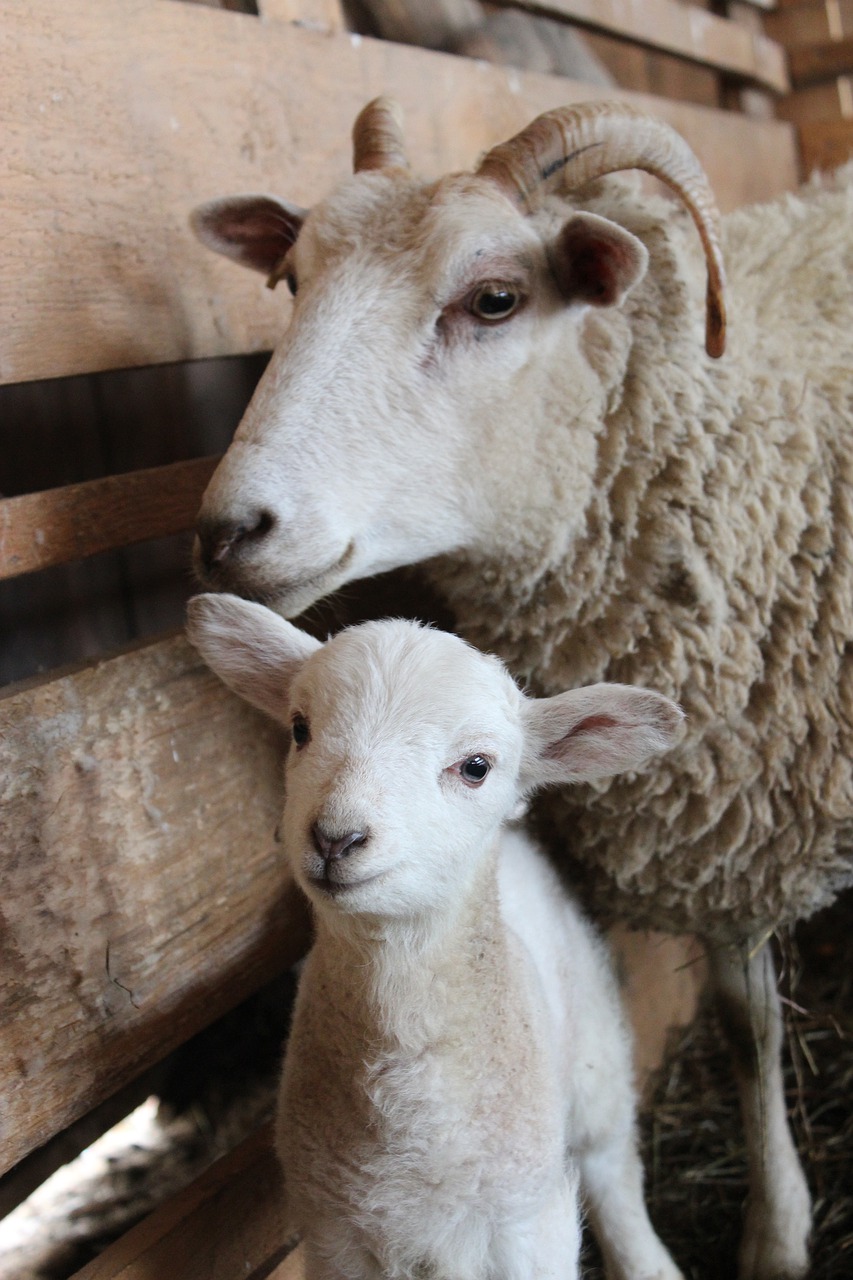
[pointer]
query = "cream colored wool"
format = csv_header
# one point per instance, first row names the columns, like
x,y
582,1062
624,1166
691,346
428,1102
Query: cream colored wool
x,y
716,565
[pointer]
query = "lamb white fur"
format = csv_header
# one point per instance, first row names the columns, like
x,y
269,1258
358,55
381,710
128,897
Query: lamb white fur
x,y
458,1058
597,500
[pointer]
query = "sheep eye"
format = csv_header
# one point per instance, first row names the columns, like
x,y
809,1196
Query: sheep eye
x,y
290,281
301,732
494,301
474,770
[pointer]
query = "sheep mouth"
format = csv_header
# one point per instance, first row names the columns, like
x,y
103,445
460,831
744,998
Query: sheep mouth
x,y
290,598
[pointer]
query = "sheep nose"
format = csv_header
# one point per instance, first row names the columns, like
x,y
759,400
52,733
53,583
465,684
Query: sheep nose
x,y
219,538
332,847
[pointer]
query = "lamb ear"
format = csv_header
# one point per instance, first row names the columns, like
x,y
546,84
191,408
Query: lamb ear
x,y
596,261
255,231
252,650
594,732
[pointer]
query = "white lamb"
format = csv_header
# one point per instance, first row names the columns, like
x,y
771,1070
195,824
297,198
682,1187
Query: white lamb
x,y
458,1058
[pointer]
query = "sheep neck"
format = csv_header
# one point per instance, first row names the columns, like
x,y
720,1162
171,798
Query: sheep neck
x,y
408,983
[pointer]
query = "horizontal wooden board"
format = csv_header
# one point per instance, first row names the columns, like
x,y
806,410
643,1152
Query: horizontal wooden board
x,y
811,23
142,889
98,268
38,530
322,15
681,29
823,60
832,100
826,144
227,1225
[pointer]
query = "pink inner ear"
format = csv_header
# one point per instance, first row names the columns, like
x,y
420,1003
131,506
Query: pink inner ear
x,y
595,262
590,724
254,230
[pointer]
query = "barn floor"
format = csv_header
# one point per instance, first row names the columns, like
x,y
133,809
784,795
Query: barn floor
x,y
693,1150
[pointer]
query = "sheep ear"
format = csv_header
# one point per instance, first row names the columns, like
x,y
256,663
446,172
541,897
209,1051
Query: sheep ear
x,y
594,732
596,261
252,650
255,231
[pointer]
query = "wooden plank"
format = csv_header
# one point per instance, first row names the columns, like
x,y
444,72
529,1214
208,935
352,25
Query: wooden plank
x,y
319,15
98,268
38,530
681,29
826,144
811,63
810,23
227,1225
832,100
143,891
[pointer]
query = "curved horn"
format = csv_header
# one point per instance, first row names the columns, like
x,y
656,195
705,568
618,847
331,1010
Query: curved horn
x,y
584,142
377,137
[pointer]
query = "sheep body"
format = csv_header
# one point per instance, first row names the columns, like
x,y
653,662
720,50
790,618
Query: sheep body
x,y
597,499
458,1056
716,564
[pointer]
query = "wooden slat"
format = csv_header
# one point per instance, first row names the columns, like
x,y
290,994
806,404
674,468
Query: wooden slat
x,y
832,100
98,268
321,15
227,1225
811,23
811,63
38,530
681,29
826,144
142,890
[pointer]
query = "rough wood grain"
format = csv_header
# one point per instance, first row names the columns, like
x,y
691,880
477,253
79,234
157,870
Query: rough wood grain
x,y
227,1225
681,29
321,15
98,268
142,891
38,530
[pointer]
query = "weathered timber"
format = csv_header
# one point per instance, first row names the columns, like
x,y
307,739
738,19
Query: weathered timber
x,y
322,15
98,268
826,144
142,890
38,530
681,29
811,63
228,1223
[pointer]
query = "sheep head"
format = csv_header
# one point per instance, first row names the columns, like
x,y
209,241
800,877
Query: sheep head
x,y
409,748
397,416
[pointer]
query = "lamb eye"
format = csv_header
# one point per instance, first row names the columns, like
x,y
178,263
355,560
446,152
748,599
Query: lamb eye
x,y
301,732
290,281
494,301
474,770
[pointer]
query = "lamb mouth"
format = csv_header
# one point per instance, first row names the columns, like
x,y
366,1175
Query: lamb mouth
x,y
337,888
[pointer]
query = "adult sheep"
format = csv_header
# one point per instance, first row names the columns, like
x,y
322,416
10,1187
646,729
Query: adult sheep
x,y
500,373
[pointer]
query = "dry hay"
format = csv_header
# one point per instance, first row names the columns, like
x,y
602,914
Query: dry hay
x,y
692,1138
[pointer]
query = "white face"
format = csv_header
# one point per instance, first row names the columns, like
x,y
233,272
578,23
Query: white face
x,y
410,749
407,745
397,419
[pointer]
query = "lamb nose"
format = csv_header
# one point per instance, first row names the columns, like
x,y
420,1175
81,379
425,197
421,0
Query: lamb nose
x,y
218,538
333,847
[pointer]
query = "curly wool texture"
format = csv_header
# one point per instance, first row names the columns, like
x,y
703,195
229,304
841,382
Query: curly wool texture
x,y
716,566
